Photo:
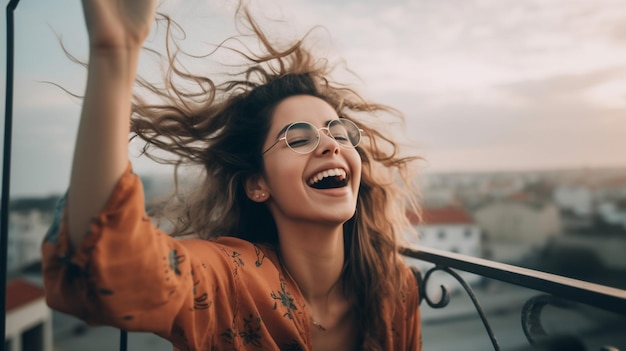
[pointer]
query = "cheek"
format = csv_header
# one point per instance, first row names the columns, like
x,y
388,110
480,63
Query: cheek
x,y
283,175
356,164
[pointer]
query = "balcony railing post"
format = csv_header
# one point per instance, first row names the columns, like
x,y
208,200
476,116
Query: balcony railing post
x,y
123,340
6,162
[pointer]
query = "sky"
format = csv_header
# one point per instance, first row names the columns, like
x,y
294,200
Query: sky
x,y
485,85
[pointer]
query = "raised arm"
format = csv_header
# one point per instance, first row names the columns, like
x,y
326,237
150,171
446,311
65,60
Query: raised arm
x,y
117,30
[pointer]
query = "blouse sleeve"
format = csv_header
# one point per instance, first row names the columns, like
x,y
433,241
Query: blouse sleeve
x,y
128,274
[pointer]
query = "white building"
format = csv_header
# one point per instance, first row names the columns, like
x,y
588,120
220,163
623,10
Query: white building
x,y
28,318
613,213
578,199
26,232
449,229
29,220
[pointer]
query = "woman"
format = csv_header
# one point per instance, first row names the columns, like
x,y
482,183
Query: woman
x,y
296,218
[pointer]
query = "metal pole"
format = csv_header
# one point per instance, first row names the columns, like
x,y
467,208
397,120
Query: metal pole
x,y
123,340
6,166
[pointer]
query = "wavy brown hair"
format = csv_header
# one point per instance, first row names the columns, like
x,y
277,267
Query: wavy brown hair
x,y
222,126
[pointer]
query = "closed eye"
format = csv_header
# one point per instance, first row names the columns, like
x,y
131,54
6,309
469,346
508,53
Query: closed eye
x,y
341,137
299,142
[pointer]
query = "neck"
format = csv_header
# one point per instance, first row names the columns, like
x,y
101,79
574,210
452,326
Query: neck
x,y
314,257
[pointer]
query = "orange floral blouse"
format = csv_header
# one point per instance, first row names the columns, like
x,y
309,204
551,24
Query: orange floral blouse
x,y
227,294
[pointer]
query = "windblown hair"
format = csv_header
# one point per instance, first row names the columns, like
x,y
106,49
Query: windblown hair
x,y
222,127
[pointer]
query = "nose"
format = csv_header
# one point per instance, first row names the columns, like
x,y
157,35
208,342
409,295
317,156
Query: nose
x,y
327,143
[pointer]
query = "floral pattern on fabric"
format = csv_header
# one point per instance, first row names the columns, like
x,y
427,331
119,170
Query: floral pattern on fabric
x,y
175,260
226,294
286,300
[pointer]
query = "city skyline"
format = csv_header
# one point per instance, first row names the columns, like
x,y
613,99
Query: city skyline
x,y
485,85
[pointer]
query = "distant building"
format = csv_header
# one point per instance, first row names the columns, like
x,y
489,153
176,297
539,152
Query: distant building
x,y
29,220
609,250
517,225
613,213
613,189
501,187
450,229
28,318
577,199
437,190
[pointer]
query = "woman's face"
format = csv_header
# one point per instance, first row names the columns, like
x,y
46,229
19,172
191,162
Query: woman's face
x,y
320,186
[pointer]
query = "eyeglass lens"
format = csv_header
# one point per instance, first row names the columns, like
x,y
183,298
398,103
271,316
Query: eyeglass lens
x,y
303,137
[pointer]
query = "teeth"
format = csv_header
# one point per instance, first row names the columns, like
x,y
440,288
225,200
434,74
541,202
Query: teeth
x,y
334,172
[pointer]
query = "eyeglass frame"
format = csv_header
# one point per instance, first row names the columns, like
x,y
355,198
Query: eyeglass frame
x,y
319,137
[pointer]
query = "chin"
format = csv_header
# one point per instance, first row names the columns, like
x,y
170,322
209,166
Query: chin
x,y
337,217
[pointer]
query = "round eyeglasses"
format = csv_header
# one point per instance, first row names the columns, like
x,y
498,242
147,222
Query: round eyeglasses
x,y
303,137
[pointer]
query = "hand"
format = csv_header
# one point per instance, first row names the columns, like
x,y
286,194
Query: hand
x,y
118,24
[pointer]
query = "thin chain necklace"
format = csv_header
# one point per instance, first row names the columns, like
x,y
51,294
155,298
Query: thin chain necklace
x,y
317,325
280,259
313,321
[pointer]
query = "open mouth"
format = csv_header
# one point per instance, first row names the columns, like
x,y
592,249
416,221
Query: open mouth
x,y
329,179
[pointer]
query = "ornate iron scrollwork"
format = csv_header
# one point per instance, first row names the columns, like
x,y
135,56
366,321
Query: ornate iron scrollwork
x,y
531,317
593,295
445,297
537,335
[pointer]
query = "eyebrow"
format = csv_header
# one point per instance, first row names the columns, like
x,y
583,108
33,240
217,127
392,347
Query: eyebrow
x,y
282,131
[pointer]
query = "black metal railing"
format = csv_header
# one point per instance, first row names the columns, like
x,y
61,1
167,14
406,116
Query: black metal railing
x,y
555,290
6,158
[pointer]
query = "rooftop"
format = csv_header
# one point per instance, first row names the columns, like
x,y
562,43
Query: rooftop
x,y
21,292
442,215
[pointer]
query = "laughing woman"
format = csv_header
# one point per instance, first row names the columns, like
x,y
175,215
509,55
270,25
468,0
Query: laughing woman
x,y
295,219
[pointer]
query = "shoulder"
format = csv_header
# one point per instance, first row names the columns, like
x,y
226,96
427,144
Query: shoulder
x,y
237,254
227,246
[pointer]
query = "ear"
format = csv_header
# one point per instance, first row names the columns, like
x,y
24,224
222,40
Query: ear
x,y
257,189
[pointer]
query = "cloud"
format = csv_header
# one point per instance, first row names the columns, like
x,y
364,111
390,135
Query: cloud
x,y
484,83
609,94
573,87
447,45
552,124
